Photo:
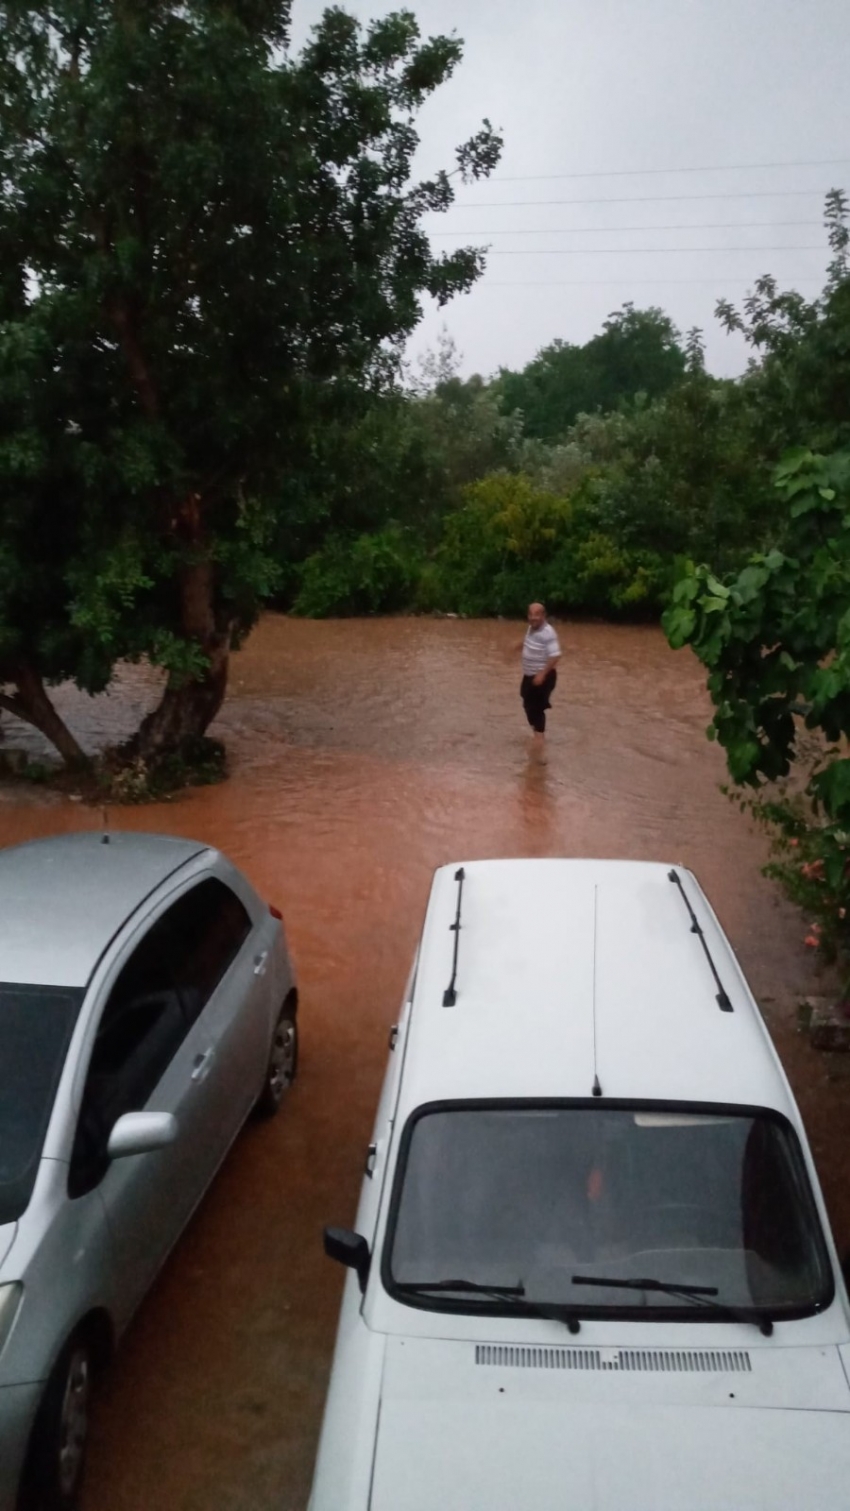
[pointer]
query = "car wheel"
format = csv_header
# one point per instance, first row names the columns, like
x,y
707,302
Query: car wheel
x,y
282,1063
58,1449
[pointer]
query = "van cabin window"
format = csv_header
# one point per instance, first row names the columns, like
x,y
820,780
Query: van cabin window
x,y
532,1195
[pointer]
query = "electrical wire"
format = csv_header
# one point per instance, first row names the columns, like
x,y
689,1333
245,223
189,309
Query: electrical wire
x,y
638,251
705,225
522,178
580,283
635,199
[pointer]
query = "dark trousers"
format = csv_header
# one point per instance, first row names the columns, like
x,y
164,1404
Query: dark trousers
x,y
535,700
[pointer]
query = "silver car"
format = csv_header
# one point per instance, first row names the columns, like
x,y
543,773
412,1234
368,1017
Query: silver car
x,y
147,1006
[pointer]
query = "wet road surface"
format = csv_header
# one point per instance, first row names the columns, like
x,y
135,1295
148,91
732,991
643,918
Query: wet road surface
x,y
363,754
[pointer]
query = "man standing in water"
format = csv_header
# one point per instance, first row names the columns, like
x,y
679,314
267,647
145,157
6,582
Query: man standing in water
x,y
540,653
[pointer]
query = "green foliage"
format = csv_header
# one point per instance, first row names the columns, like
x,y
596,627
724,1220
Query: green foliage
x,y
210,250
401,458
637,351
799,380
118,779
366,574
512,542
811,862
775,638
776,635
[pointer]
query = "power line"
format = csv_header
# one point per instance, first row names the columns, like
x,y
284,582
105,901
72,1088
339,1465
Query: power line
x,y
576,283
521,178
706,225
639,251
637,199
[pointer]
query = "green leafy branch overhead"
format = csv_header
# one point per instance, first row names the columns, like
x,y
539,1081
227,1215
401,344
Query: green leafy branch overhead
x,y
775,637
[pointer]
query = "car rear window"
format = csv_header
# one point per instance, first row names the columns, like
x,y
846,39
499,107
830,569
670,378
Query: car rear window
x,y
548,1202
36,1023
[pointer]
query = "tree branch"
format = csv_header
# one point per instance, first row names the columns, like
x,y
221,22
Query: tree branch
x,y
12,706
135,357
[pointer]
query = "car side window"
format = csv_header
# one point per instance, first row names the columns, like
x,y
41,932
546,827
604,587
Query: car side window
x,y
161,990
211,925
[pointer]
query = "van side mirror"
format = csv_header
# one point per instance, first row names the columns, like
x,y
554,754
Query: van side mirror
x,y
350,1249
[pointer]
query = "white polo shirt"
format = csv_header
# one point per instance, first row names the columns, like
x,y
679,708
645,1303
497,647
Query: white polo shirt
x,y
539,647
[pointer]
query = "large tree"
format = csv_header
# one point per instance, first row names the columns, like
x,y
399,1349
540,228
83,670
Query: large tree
x,y
637,351
206,246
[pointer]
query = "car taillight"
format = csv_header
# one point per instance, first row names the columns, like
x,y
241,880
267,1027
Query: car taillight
x,y
275,912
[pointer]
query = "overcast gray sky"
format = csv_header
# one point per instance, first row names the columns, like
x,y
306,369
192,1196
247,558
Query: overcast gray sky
x,y
606,93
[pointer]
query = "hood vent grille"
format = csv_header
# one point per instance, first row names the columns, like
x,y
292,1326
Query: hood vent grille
x,y
679,1361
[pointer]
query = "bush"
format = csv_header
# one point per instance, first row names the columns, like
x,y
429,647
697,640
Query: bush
x,y
512,542
495,549
775,639
811,862
366,574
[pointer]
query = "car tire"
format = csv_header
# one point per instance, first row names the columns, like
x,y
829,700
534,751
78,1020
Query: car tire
x,y
282,1066
56,1458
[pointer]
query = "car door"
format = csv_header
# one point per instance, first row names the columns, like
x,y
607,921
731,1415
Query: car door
x,y
149,1053
225,984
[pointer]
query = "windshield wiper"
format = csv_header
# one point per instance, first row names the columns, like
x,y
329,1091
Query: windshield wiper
x,y
702,1294
461,1285
515,1294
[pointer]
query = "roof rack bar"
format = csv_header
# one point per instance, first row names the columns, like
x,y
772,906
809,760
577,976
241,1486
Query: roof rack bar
x,y
450,995
723,1001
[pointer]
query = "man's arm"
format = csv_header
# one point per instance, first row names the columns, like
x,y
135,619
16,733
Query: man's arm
x,y
549,667
554,656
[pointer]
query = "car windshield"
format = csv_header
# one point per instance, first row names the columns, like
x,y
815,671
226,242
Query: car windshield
x,y
558,1198
35,1029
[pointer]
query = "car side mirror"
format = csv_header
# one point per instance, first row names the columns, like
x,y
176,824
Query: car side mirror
x,y
141,1133
350,1249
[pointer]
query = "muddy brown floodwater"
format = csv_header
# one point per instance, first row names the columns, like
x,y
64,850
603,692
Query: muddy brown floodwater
x,y
364,754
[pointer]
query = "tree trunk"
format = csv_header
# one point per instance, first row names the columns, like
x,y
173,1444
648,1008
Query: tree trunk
x,y
188,707
31,703
185,710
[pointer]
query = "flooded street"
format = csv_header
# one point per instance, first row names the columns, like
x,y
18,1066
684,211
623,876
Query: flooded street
x,y
363,754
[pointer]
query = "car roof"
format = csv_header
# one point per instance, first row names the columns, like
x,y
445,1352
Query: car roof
x,y
63,899
569,969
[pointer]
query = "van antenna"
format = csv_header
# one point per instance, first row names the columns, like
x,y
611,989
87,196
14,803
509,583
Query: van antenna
x,y
597,1089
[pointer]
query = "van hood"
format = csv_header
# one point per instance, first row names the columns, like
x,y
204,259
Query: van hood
x,y
471,1427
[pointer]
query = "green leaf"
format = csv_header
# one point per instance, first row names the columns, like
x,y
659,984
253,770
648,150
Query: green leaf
x,y
832,787
792,460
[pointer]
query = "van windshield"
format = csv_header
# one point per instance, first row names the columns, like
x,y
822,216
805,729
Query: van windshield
x,y
556,1199
36,1023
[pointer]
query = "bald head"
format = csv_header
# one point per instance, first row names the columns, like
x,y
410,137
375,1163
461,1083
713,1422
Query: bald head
x,y
536,615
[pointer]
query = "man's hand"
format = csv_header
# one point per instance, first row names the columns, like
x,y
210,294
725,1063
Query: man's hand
x,y
541,676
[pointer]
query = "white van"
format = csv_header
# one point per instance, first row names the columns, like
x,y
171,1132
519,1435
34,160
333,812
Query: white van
x,y
592,1265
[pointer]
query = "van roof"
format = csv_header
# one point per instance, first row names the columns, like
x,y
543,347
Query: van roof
x,y
540,941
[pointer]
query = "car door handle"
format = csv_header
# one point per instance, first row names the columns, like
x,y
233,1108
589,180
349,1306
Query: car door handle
x,y
201,1065
260,963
